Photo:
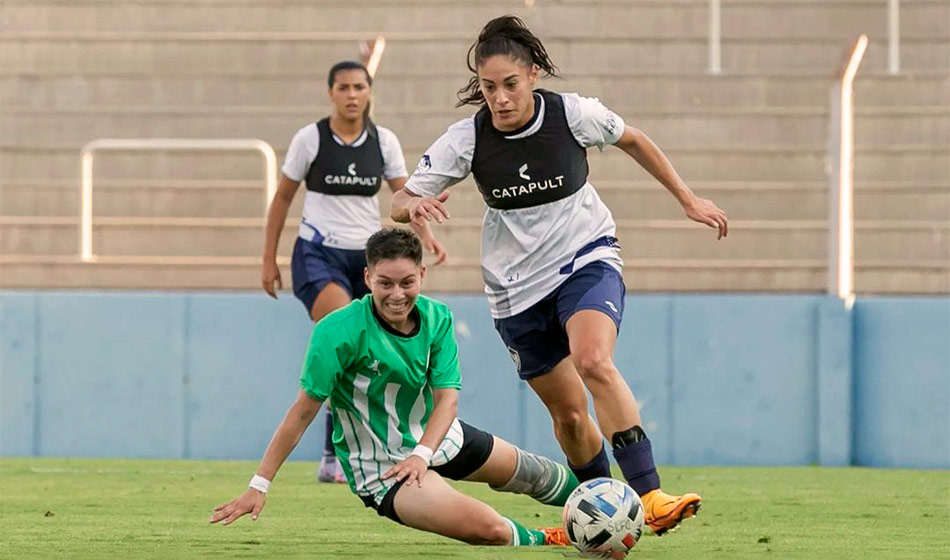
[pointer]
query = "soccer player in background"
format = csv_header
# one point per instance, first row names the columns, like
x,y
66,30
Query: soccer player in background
x,y
388,363
549,253
343,159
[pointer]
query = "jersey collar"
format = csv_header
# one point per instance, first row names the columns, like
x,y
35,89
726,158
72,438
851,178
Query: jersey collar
x,y
355,143
414,313
532,126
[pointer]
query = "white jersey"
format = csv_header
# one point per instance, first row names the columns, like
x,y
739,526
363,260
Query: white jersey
x,y
344,221
526,253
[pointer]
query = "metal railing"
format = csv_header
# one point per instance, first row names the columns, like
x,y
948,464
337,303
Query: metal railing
x,y
162,144
893,36
841,172
715,37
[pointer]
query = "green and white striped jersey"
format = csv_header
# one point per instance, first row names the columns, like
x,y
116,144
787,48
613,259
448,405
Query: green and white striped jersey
x,y
379,383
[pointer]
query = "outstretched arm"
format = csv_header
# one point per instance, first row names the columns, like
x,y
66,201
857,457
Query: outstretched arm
x,y
288,434
639,146
407,207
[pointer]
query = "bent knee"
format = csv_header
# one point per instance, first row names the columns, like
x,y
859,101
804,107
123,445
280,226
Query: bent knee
x,y
595,368
569,419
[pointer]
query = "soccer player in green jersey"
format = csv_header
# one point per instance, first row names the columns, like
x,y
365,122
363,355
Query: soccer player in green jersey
x,y
388,363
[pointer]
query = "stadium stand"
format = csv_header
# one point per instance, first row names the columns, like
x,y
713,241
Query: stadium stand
x,y
752,138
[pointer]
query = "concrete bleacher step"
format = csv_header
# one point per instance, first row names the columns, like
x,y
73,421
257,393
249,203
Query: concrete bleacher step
x,y
686,128
648,19
204,52
210,199
675,239
902,276
752,201
925,163
794,54
626,200
829,18
804,18
250,52
394,89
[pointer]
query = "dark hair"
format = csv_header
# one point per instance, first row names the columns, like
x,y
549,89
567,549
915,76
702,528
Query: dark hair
x,y
503,35
393,243
347,65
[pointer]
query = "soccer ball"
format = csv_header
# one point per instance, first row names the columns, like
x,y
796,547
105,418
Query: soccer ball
x,y
603,518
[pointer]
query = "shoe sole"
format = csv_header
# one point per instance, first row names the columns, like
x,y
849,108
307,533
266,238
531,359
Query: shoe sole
x,y
689,510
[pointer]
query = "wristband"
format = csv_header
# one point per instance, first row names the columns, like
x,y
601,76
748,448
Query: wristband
x,y
259,483
423,452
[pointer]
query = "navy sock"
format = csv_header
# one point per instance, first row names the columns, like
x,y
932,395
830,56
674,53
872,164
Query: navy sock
x,y
636,463
328,442
597,467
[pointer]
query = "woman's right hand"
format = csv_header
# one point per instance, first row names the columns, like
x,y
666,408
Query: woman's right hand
x,y
270,278
426,209
251,501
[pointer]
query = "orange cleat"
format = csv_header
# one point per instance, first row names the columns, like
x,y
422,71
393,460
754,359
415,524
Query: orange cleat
x,y
663,512
555,536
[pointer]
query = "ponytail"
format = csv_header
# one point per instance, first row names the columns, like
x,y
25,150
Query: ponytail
x,y
506,35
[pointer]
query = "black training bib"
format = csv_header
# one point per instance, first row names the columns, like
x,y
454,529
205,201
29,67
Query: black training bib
x,y
546,166
346,170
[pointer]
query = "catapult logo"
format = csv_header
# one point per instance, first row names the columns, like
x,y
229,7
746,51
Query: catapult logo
x,y
351,179
529,187
523,172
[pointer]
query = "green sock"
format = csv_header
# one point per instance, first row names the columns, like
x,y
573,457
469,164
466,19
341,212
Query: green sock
x,y
570,483
521,536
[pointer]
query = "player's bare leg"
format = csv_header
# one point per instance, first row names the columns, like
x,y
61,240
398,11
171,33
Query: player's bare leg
x,y
438,508
331,297
562,393
592,336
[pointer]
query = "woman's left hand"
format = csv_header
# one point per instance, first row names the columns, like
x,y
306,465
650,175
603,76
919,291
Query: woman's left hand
x,y
412,468
706,212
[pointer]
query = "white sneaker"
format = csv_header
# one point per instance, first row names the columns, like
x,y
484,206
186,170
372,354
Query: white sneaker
x,y
330,470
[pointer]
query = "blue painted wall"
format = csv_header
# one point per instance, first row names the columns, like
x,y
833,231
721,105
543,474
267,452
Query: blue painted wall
x,y
902,382
722,379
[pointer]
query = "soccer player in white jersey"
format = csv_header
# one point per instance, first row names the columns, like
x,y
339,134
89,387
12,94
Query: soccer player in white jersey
x,y
388,363
549,256
343,159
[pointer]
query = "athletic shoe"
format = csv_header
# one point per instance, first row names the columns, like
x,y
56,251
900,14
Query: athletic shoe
x,y
555,536
663,512
329,469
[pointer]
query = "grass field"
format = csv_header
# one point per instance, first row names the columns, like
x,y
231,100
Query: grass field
x,y
92,508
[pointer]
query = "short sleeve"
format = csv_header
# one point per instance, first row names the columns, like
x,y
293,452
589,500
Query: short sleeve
x,y
394,163
446,162
329,353
591,122
444,372
301,153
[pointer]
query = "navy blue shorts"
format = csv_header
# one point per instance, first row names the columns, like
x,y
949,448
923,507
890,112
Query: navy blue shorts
x,y
537,339
314,265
